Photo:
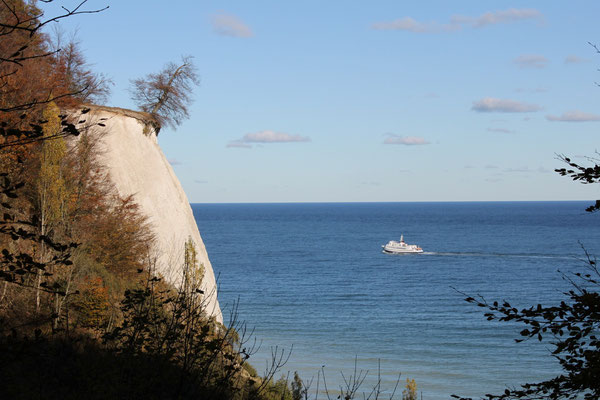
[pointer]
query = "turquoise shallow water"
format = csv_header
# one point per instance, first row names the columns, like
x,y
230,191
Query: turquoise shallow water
x,y
313,276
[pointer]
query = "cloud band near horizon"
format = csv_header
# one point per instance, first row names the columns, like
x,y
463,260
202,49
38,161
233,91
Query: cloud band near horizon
x,y
457,22
267,136
491,104
574,116
405,140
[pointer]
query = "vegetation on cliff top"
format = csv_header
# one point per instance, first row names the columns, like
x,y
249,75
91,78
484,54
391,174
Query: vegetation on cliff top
x,y
166,95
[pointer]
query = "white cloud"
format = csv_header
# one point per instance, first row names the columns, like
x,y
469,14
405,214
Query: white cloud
x,y
273,137
531,61
574,116
405,140
490,166
571,59
173,161
518,170
527,170
500,130
230,25
267,136
239,144
457,22
410,25
490,104
498,17
200,181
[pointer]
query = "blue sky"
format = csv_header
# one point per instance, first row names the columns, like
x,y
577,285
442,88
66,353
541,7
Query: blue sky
x,y
365,101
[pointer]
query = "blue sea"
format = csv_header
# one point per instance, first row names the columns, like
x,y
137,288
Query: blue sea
x,y
312,277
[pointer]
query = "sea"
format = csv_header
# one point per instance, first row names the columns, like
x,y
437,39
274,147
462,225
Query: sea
x,y
310,279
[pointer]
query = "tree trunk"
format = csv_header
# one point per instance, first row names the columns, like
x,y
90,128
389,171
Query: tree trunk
x,y
165,93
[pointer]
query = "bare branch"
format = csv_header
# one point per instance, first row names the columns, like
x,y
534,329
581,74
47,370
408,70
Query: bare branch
x,y
32,26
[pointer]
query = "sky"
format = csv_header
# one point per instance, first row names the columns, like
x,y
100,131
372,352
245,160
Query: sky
x,y
346,101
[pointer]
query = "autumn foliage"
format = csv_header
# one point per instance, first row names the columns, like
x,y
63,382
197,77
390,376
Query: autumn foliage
x,y
55,190
92,303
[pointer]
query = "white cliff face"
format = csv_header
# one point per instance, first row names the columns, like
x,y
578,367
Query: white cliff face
x,y
137,166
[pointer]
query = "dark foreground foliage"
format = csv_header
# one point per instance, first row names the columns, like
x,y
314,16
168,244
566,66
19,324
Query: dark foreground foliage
x,y
583,174
43,368
80,366
572,327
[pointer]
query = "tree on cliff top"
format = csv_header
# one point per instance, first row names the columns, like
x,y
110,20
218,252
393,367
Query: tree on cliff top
x,y
167,94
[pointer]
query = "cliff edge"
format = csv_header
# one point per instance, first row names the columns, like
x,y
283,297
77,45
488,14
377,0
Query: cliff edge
x,y
137,166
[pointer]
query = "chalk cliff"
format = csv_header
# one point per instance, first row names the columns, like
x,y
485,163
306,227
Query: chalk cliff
x,y
137,166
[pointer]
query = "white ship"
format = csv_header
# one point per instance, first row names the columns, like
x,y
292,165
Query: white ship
x,y
400,247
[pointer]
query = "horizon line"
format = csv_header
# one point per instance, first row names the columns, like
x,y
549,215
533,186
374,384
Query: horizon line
x,y
392,202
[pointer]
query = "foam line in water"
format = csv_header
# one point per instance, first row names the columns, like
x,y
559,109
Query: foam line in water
x,y
475,254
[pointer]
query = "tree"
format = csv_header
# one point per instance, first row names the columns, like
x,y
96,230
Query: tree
x,y
573,325
193,272
583,174
28,76
167,94
299,391
50,185
30,124
410,393
78,78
